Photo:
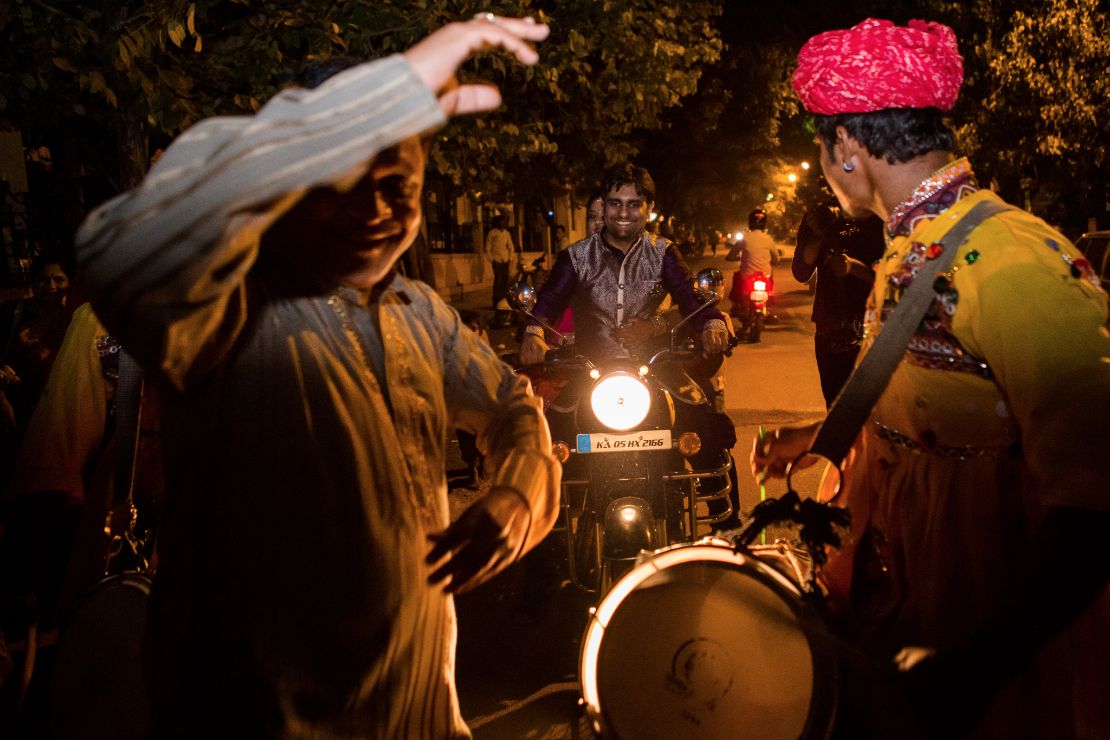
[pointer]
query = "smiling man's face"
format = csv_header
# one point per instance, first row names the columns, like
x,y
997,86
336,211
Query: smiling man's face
x,y
355,237
626,213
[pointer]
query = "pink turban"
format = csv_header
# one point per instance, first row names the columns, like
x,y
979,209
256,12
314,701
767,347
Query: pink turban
x,y
876,65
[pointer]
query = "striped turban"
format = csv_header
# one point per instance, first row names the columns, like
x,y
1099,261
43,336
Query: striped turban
x,y
876,65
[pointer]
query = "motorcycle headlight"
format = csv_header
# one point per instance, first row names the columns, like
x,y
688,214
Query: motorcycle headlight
x,y
620,401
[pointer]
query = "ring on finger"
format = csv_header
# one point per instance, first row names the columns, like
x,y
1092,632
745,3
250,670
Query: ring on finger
x,y
487,17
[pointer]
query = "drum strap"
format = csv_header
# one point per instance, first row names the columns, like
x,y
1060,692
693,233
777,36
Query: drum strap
x,y
128,408
129,401
870,378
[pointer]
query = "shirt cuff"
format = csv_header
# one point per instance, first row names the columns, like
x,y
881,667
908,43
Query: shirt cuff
x,y
535,475
714,324
535,330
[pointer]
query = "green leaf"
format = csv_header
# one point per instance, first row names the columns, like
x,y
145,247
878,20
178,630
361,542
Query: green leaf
x,y
190,18
64,64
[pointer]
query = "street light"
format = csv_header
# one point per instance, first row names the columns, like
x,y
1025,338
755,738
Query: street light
x,y
805,165
792,177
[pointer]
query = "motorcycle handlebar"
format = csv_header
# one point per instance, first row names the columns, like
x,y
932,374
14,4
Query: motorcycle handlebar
x,y
690,350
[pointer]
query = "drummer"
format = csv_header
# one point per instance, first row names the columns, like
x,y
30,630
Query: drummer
x,y
979,484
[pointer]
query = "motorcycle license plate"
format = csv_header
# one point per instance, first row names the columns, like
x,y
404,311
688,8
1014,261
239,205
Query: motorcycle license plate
x,y
652,439
758,296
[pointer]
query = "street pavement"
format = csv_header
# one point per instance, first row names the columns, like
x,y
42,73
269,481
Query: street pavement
x,y
520,634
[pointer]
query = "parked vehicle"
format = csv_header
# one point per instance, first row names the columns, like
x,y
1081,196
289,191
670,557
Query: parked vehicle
x,y
623,438
1095,246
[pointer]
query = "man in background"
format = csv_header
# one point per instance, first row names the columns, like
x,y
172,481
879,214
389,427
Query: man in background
x,y
499,251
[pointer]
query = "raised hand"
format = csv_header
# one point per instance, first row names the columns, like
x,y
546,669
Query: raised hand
x,y
436,58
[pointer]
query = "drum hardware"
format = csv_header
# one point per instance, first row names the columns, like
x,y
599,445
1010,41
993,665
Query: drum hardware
x,y
127,551
818,527
98,688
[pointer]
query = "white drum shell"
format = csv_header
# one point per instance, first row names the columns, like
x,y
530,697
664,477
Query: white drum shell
x,y
704,641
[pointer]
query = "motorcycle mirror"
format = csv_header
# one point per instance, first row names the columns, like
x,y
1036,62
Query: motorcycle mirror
x,y
522,297
709,284
709,287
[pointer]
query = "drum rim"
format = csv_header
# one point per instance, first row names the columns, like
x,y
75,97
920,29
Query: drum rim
x,y
823,697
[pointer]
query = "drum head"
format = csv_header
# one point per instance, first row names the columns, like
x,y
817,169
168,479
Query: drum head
x,y
703,642
98,689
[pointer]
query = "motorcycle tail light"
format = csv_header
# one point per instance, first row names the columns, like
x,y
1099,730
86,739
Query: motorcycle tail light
x,y
689,444
561,451
759,285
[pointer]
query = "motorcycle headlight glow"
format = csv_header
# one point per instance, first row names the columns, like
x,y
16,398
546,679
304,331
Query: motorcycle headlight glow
x,y
620,401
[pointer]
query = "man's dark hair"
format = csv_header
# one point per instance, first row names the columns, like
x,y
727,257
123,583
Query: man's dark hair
x,y
50,257
315,73
629,174
895,134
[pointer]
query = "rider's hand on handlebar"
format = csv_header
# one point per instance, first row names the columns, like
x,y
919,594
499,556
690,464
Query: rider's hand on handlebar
x,y
773,453
714,341
533,349
481,543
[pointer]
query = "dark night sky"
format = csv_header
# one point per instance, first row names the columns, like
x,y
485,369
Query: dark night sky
x,y
708,141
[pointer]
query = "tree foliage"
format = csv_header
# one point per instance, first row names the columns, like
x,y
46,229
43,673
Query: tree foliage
x,y
130,71
1047,99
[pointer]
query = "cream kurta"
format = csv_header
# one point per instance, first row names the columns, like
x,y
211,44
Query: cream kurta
x,y
973,439
292,597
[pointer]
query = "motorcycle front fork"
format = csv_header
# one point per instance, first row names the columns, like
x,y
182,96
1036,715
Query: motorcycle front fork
x,y
603,567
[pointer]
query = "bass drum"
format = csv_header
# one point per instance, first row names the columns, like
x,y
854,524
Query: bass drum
x,y
701,640
98,689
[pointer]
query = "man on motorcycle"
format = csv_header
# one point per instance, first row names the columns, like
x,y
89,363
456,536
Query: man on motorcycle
x,y
615,281
757,253
612,279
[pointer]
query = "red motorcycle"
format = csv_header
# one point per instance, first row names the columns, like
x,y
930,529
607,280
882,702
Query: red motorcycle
x,y
750,297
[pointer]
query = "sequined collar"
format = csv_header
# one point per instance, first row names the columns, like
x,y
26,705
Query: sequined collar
x,y
935,195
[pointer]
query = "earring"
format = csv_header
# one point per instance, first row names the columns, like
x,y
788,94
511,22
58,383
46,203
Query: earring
x,y
848,166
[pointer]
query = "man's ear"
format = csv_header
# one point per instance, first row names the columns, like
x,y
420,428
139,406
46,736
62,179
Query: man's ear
x,y
847,148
